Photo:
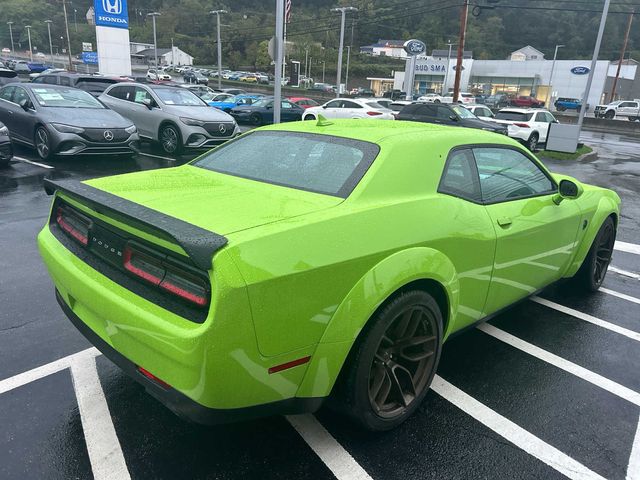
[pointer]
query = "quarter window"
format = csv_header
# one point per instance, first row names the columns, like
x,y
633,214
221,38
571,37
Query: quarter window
x,y
460,178
507,174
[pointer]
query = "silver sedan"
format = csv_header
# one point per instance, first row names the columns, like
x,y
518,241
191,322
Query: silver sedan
x,y
173,116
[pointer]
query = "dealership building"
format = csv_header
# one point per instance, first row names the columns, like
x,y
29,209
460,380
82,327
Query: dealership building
x,y
525,72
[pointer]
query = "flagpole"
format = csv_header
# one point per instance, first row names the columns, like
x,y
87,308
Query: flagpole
x,y
284,46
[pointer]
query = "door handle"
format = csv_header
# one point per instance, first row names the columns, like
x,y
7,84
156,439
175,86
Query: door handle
x,y
504,221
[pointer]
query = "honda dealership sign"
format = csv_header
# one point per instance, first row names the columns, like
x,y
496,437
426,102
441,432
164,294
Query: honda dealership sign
x,y
112,13
112,35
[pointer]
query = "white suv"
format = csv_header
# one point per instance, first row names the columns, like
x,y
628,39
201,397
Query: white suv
x,y
529,125
621,108
153,74
463,97
430,98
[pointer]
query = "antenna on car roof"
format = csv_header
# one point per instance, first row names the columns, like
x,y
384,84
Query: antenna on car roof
x,y
323,122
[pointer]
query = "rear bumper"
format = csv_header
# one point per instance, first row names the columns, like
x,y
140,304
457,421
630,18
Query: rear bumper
x,y
180,404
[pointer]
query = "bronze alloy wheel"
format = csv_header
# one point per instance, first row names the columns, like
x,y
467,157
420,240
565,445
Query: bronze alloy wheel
x,y
403,361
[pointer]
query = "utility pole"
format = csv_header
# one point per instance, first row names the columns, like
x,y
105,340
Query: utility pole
x,y
66,26
173,55
324,63
217,14
446,74
596,51
624,49
553,66
279,56
306,61
463,32
343,11
153,16
346,76
49,22
11,35
28,27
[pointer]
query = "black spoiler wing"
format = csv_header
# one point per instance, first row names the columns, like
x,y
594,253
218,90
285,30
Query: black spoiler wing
x,y
198,243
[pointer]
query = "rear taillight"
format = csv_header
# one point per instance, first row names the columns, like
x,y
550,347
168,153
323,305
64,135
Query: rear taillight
x,y
374,114
169,274
73,224
521,125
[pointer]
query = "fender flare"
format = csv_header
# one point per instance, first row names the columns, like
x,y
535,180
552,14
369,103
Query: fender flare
x,y
606,207
362,301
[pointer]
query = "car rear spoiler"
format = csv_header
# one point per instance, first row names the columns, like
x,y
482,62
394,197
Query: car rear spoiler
x,y
198,243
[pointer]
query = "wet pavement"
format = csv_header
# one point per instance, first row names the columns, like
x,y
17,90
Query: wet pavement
x,y
548,389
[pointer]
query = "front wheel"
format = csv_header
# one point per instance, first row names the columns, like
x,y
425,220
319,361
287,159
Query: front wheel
x,y
170,139
595,265
42,143
308,117
255,119
436,101
609,115
394,361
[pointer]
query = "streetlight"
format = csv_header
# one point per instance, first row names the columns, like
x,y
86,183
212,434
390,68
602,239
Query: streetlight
x,y
553,66
153,15
343,11
346,76
11,35
217,14
28,27
49,22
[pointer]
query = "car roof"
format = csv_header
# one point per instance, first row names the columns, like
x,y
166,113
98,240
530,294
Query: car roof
x,y
393,132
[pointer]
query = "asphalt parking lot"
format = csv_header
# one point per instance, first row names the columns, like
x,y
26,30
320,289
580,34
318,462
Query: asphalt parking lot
x,y
549,389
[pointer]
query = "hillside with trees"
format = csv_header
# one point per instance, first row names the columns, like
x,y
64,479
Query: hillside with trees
x,y
500,28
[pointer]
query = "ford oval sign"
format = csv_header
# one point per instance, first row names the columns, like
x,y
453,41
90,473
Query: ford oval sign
x,y
414,47
580,70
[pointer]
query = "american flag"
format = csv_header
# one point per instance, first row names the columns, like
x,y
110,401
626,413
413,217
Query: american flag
x,y
287,12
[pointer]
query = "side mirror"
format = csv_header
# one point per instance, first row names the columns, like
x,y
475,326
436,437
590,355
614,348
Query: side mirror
x,y
567,189
25,104
324,106
453,118
269,107
148,103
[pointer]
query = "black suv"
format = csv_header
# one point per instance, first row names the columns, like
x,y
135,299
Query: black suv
x,y
454,115
93,84
195,77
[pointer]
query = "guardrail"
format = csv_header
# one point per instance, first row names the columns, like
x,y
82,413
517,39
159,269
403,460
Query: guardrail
x,y
619,126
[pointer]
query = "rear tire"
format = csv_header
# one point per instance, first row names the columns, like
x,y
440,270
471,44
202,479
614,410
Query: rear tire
x,y
532,143
594,268
394,361
255,119
309,117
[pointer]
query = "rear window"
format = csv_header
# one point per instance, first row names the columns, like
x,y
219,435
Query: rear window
x,y
315,163
514,116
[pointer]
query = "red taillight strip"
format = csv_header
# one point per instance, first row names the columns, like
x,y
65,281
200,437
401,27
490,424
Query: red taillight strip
x,y
373,114
191,297
67,227
126,259
291,364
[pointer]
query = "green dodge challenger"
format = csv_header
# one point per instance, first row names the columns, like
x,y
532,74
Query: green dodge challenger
x,y
309,260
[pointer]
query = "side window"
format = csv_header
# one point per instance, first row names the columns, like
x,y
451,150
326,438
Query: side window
x,y
117,92
541,117
50,79
625,105
444,114
507,174
427,111
141,95
550,118
285,104
334,104
65,81
38,80
485,112
7,93
19,95
348,104
459,177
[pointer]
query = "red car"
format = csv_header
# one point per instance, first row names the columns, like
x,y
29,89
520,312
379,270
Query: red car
x,y
304,102
527,102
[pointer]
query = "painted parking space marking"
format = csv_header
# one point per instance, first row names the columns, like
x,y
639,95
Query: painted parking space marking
x,y
45,370
559,362
627,247
37,164
588,318
103,446
633,470
624,273
624,296
512,432
334,456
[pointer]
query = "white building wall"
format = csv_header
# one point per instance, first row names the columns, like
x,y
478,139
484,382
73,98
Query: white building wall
x,y
178,58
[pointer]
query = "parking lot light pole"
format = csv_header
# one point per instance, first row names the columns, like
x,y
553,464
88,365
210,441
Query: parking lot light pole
x,y
11,35
28,27
446,74
279,59
346,75
217,14
343,11
553,66
153,16
594,60
49,22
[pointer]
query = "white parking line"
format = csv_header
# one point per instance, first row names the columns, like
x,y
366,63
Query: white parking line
x,y
627,247
559,362
103,446
45,370
513,432
625,273
624,296
334,456
157,156
588,318
43,165
633,470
